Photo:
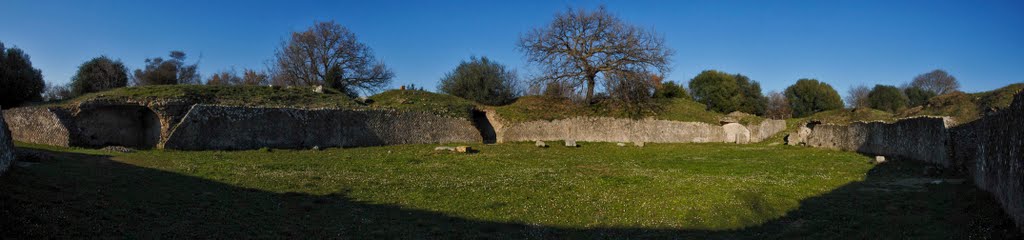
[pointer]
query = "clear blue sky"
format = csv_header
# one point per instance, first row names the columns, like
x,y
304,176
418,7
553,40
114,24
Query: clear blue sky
x,y
774,42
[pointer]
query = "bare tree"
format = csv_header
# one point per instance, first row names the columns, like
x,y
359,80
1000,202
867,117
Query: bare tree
x,y
778,106
937,81
254,78
329,54
224,78
579,46
857,96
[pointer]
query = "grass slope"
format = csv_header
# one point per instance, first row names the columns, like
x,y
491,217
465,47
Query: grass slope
x,y
228,95
505,191
418,100
532,108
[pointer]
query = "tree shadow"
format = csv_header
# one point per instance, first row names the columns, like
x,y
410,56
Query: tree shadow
x,y
71,195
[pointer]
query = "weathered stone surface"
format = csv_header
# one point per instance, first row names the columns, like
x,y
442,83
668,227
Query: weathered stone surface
x,y
570,143
540,143
463,149
923,138
766,129
736,133
40,125
224,127
7,153
639,144
991,151
799,137
443,148
604,129
879,159
620,144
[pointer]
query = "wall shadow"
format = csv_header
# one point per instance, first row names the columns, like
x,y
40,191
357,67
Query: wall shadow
x,y
483,125
71,195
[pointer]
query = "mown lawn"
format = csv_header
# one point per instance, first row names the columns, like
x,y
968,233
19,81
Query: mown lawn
x,y
598,190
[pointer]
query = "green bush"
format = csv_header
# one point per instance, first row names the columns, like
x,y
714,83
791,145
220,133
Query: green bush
x,y
809,96
671,89
19,81
917,96
481,80
723,92
99,74
886,98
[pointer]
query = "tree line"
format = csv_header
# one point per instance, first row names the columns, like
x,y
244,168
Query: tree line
x,y
588,56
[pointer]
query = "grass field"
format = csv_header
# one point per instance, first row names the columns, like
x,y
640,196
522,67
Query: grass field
x,y
598,190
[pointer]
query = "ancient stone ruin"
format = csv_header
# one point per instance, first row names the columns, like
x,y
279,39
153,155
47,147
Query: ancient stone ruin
x,y
989,150
178,125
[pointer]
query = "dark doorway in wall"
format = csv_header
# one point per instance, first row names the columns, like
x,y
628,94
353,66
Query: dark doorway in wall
x,y
119,125
484,126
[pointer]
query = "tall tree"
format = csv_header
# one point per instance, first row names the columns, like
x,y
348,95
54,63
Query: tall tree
x,y
329,54
99,74
174,70
580,46
19,81
809,96
857,96
937,81
751,99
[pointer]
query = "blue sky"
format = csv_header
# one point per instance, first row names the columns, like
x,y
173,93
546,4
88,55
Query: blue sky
x,y
840,42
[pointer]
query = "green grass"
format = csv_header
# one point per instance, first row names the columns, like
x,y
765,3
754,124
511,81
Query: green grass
x,y
504,191
417,100
844,116
532,108
227,95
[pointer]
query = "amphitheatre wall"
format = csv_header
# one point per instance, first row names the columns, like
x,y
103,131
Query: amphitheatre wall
x,y
990,150
606,129
6,146
226,127
921,138
40,125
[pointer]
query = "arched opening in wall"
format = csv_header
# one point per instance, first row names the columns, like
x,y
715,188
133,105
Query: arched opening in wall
x,y
121,125
484,126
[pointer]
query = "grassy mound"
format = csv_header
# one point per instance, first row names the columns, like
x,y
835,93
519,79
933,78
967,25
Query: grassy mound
x,y
417,100
843,116
966,107
532,108
227,95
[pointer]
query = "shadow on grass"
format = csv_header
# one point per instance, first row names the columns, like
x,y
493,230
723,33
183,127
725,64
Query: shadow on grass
x,y
70,195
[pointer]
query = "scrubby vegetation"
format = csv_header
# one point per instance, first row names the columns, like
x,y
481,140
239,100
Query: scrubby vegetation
x,y
481,80
512,190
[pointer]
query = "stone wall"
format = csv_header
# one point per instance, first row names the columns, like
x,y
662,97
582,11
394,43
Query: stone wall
x,y
922,138
223,127
766,129
41,125
6,146
605,129
991,151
